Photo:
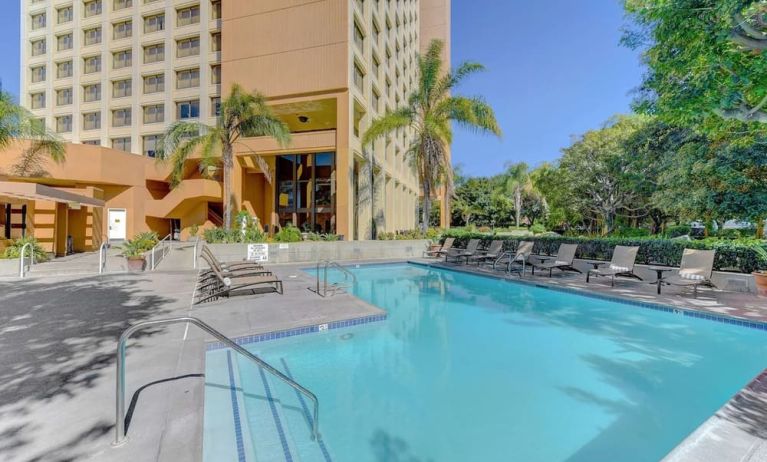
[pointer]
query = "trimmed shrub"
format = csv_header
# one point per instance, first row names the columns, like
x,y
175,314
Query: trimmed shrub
x,y
744,255
288,234
233,236
14,249
537,229
676,231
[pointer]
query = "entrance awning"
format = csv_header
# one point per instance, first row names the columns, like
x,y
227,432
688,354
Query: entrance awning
x,y
39,192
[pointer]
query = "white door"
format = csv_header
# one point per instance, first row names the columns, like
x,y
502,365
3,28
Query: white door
x,y
117,224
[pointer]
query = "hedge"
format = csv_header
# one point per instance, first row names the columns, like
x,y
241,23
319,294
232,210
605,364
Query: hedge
x,y
745,255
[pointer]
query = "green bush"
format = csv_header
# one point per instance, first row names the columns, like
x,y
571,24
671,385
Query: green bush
x,y
146,240
628,231
288,234
321,237
433,234
537,229
233,236
677,231
133,248
729,234
14,249
745,255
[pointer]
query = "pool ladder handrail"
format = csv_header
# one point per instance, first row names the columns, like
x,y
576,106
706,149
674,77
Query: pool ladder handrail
x,y
165,245
327,264
22,258
121,437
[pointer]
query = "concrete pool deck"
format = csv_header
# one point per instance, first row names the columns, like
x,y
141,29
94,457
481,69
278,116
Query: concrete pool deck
x,y
58,338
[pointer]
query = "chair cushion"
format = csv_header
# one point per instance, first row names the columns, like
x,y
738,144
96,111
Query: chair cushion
x,y
621,269
559,262
691,276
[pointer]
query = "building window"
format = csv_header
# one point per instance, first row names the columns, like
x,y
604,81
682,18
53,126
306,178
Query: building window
x,y
38,74
150,144
92,93
188,78
64,15
121,59
64,42
306,191
64,69
64,124
154,113
359,77
215,9
215,41
154,53
122,4
93,36
154,83
38,21
376,101
121,144
92,120
188,47
215,74
121,88
121,117
92,8
123,29
38,47
188,109
37,100
154,23
92,64
91,142
359,37
215,106
64,97
376,66
187,16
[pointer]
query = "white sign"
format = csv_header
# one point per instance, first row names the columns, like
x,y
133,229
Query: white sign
x,y
258,252
283,246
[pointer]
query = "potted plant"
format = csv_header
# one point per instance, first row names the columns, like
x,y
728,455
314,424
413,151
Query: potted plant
x,y
761,282
133,251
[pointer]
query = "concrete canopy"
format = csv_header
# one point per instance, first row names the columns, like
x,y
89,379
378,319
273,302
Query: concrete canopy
x,y
35,191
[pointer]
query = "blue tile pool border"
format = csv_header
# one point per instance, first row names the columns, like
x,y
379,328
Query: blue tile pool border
x,y
313,329
685,311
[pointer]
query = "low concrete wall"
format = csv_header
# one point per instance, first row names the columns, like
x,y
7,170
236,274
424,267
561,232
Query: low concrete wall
x,y
9,267
733,282
312,251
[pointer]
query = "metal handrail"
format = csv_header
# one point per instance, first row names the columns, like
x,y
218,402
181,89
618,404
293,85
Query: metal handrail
x,y
329,263
162,244
194,253
103,256
21,258
120,436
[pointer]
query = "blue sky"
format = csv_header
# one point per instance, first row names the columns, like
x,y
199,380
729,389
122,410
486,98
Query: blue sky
x,y
555,69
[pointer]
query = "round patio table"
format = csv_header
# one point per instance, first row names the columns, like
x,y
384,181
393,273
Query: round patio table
x,y
659,270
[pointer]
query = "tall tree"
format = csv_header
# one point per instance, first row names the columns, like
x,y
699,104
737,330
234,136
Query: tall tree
x,y
516,183
242,115
707,62
18,124
429,112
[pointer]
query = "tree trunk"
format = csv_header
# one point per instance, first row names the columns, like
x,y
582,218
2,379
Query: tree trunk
x,y
426,211
760,228
518,206
228,170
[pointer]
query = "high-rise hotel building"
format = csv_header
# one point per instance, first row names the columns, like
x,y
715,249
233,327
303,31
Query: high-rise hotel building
x,y
116,73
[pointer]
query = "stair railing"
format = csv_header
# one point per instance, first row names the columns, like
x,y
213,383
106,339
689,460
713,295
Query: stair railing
x,y
326,264
164,248
24,248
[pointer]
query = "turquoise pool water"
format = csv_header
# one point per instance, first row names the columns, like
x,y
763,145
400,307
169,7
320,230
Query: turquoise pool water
x,y
468,368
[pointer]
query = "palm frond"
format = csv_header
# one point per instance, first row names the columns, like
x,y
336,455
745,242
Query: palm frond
x,y
387,123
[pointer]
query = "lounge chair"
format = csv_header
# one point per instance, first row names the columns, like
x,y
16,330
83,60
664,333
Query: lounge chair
x,y
695,270
519,257
220,285
493,252
239,271
563,261
229,265
458,254
446,246
621,264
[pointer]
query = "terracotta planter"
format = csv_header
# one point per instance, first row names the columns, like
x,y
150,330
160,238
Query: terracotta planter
x,y
136,264
761,283
434,247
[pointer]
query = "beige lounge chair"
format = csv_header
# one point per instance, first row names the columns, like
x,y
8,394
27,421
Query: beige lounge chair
x,y
446,246
563,261
621,264
520,257
458,254
222,285
695,270
493,252
229,265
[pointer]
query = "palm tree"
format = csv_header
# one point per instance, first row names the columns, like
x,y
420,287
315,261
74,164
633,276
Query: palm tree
x,y
516,181
429,112
242,115
17,124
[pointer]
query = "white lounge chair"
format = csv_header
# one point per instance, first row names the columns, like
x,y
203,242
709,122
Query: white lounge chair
x,y
695,270
621,264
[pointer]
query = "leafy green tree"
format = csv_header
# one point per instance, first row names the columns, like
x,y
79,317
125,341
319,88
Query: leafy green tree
x,y
553,184
18,124
515,182
428,114
242,115
707,62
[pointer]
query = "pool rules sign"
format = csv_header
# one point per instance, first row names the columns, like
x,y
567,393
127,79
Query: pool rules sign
x,y
258,252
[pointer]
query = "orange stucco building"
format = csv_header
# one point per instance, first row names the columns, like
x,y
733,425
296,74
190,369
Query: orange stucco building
x,y
327,67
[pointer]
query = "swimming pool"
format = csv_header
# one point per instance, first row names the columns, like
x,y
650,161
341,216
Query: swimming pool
x,y
469,368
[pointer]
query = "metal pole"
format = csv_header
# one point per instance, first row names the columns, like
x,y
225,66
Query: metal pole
x,y
21,258
121,438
